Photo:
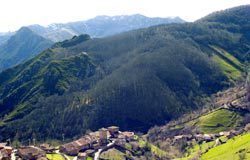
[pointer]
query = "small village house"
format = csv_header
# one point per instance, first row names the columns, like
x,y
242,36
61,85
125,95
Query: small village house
x,y
82,144
5,151
47,148
129,136
69,149
114,131
82,156
103,136
4,155
30,152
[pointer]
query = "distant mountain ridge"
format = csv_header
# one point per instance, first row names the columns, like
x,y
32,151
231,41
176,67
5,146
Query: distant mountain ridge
x,y
16,47
99,26
20,47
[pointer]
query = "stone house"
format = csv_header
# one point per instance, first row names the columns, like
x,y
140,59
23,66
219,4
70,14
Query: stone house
x,y
179,138
207,137
69,149
82,156
129,136
198,137
103,136
4,155
73,148
30,152
5,151
47,148
114,131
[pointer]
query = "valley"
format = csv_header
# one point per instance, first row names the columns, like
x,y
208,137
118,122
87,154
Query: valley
x,y
219,125
220,129
153,91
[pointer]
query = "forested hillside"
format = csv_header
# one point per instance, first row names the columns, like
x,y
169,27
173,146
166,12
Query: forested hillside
x,y
134,80
20,47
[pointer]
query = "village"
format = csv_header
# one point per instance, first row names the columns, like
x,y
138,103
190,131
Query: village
x,y
90,146
199,138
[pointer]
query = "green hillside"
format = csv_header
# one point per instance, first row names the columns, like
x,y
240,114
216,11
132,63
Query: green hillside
x,y
42,78
230,71
219,120
134,80
235,27
20,47
237,148
229,58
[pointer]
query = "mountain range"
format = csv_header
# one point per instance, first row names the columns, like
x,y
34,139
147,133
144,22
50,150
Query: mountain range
x,y
16,47
99,26
136,79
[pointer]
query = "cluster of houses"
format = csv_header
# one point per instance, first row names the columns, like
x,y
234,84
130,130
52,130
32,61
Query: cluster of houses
x,y
84,147
103,139
25,152
233,98
209,137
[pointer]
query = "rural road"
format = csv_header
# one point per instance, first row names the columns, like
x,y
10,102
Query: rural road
x,y
97,154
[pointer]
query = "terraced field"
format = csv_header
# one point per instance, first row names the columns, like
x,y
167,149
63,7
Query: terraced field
x,y
219,120
216,121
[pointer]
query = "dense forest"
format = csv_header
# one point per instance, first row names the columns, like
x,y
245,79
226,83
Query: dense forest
x,y
134,79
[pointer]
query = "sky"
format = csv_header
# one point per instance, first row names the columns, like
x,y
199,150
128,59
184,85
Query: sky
x,y
17,13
